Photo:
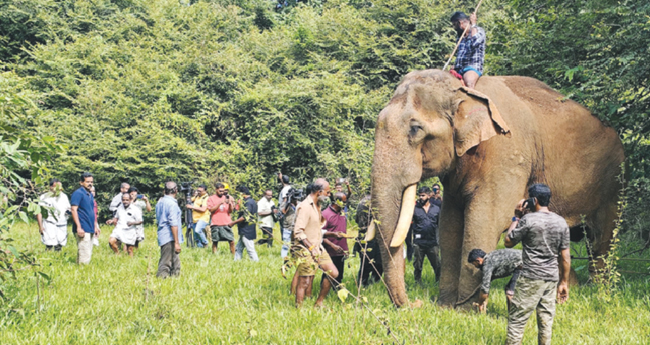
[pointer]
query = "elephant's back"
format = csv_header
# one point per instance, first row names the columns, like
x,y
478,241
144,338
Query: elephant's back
x,y
574,151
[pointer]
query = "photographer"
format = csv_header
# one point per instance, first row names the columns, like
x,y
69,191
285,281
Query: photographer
x,y
288,209
544,236
286,187
221,206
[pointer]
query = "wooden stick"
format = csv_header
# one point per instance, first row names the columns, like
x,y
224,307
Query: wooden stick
x,y
461,38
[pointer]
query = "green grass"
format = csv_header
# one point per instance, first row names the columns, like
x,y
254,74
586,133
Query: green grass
x,y
218,301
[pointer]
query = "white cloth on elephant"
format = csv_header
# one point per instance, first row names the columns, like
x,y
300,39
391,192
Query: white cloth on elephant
x,y
123,232
55,226
139,229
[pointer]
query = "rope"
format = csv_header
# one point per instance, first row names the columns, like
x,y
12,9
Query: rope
x,y
461,38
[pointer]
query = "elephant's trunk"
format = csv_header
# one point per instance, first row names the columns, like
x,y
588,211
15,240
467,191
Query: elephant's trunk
x,y
393,210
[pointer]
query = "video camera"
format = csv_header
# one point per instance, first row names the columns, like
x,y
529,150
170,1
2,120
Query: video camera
x,y
295,194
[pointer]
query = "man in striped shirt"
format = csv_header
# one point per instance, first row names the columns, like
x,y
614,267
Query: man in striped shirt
x,y
471,50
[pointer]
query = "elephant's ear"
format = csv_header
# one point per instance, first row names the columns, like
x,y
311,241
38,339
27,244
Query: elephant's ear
x,y
476,119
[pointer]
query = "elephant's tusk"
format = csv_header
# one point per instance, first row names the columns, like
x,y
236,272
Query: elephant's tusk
x,y
405,216
370,233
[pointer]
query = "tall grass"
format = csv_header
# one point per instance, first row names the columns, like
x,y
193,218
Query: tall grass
x,y
218,301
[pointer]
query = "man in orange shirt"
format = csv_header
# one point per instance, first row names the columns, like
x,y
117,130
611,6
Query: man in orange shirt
x,y
221,206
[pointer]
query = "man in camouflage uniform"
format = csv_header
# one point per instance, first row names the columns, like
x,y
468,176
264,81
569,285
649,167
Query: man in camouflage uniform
x,y
498,264
544,236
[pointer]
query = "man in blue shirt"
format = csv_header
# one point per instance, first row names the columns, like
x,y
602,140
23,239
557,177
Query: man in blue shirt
x,y
471,50
83,215
168,216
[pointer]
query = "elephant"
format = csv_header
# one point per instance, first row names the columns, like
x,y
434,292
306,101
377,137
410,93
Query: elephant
x,y
487,145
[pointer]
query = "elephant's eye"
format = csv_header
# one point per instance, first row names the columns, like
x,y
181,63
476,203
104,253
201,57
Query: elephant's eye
x,y
415,129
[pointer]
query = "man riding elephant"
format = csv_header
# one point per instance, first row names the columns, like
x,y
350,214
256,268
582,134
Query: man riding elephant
x,y
471,49
487,145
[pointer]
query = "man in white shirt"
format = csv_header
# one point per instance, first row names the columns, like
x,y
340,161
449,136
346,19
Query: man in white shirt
x,y
142,202
265,208
53,229
117,199
126,220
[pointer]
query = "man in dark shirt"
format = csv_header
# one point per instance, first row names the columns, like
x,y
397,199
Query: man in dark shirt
x,y
425,234
336,222
83,215
246,226
544,236
497,264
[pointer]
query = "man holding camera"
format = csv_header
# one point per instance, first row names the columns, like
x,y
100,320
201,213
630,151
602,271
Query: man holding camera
x,y
221,206
544,236
168,215
288,209
200,215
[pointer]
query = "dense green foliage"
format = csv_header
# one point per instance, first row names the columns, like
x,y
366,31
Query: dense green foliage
x,y
232,90
117,300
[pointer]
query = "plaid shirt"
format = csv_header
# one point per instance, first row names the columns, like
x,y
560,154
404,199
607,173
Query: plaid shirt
x,y
471,51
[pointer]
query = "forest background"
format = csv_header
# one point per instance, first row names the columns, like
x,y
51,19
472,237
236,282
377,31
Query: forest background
x,y
146,91
235,90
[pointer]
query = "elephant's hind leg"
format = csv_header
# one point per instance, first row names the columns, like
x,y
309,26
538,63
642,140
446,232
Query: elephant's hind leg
x,y
602,226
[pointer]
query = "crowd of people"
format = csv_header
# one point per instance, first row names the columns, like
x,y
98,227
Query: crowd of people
x,y
313,227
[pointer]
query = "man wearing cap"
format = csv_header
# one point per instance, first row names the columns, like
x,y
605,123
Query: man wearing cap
x,y
471,50
53,229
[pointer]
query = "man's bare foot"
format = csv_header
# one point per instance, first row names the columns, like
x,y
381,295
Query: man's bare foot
x,y
417,304
318,305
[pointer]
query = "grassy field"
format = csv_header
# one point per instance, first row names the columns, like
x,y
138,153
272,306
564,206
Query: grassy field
x,y
118,300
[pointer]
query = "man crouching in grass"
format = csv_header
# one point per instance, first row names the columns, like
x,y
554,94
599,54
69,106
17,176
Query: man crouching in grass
x,y
311,255
497,264
127,218
168,215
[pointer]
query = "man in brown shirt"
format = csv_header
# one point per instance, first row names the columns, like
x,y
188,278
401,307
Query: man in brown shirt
x,y
309,237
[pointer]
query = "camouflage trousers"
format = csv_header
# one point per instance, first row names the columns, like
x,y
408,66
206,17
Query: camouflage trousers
x,y
532,295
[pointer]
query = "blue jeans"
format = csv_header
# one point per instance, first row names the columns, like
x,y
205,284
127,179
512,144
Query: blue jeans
x,y
468,68
286,239
199,236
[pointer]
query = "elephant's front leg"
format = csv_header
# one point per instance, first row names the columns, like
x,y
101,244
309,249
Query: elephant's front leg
x,y
486,216
451,243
